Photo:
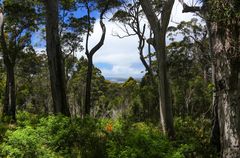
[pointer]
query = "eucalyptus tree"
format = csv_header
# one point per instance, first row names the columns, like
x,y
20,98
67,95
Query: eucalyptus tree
x,y
159,28
102,7
223,24
19,20
55,58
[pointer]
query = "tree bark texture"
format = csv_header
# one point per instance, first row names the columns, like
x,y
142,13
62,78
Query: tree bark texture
x,y
227,55
159,28
55,59
215,133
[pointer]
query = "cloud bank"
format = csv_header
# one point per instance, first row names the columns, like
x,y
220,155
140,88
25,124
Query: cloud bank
x,y
119,58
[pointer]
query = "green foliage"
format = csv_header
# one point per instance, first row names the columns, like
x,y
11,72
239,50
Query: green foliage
x,y
2,85
190,64
138,140
149,99
59,136
222,11
193,136
25,142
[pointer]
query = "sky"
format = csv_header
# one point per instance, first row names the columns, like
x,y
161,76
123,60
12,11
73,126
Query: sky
x,y
119,58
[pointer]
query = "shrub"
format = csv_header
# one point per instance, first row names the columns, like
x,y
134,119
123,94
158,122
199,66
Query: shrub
x,y
60,136
196,134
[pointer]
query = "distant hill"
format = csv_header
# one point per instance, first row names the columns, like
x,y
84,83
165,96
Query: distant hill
x,y
119,79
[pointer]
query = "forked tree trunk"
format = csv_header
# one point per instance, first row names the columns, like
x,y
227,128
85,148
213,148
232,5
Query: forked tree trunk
x,y
55,59
159,27
90,54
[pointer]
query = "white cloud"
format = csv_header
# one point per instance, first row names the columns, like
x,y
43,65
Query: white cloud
x,y
122,54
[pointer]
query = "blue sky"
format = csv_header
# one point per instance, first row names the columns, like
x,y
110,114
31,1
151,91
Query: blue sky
x,y
119,58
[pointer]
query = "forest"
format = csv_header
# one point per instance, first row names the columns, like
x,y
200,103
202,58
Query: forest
x,y
56,102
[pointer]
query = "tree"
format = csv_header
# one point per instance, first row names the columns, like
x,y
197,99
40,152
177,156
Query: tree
x,y
33,88
131,18
225,33
2,82
55,58
159,27
223,21
19,22
131,15
189,68
103,7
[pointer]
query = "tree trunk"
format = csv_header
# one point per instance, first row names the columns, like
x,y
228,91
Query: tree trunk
x,y
215,133
90,56
164,88
159,28
88,86
226,51
55,59
9,108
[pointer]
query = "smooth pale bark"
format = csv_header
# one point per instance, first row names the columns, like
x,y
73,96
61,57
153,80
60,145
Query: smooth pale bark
x,y
9,108
55,58
159,28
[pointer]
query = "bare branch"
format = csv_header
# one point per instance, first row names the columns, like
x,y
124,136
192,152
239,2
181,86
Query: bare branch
x,y
124,36
187,8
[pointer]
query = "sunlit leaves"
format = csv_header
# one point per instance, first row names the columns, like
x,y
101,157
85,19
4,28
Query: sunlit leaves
x,y
121,16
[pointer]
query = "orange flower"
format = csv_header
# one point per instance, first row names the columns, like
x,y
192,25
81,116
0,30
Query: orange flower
x,y
109,127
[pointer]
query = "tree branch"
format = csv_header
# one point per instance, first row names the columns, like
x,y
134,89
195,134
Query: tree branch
x,y
101,42
191,9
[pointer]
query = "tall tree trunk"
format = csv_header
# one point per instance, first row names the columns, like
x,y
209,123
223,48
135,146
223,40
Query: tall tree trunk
x,y
88,86
227,54
159,28
225,35
90,54
55,59
164,88
9,108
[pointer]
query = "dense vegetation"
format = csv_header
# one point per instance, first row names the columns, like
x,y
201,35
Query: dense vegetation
x,y
59,136
54,103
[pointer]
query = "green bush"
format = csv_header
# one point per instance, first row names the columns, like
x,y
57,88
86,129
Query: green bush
x,y
59,136
196,134
138,140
